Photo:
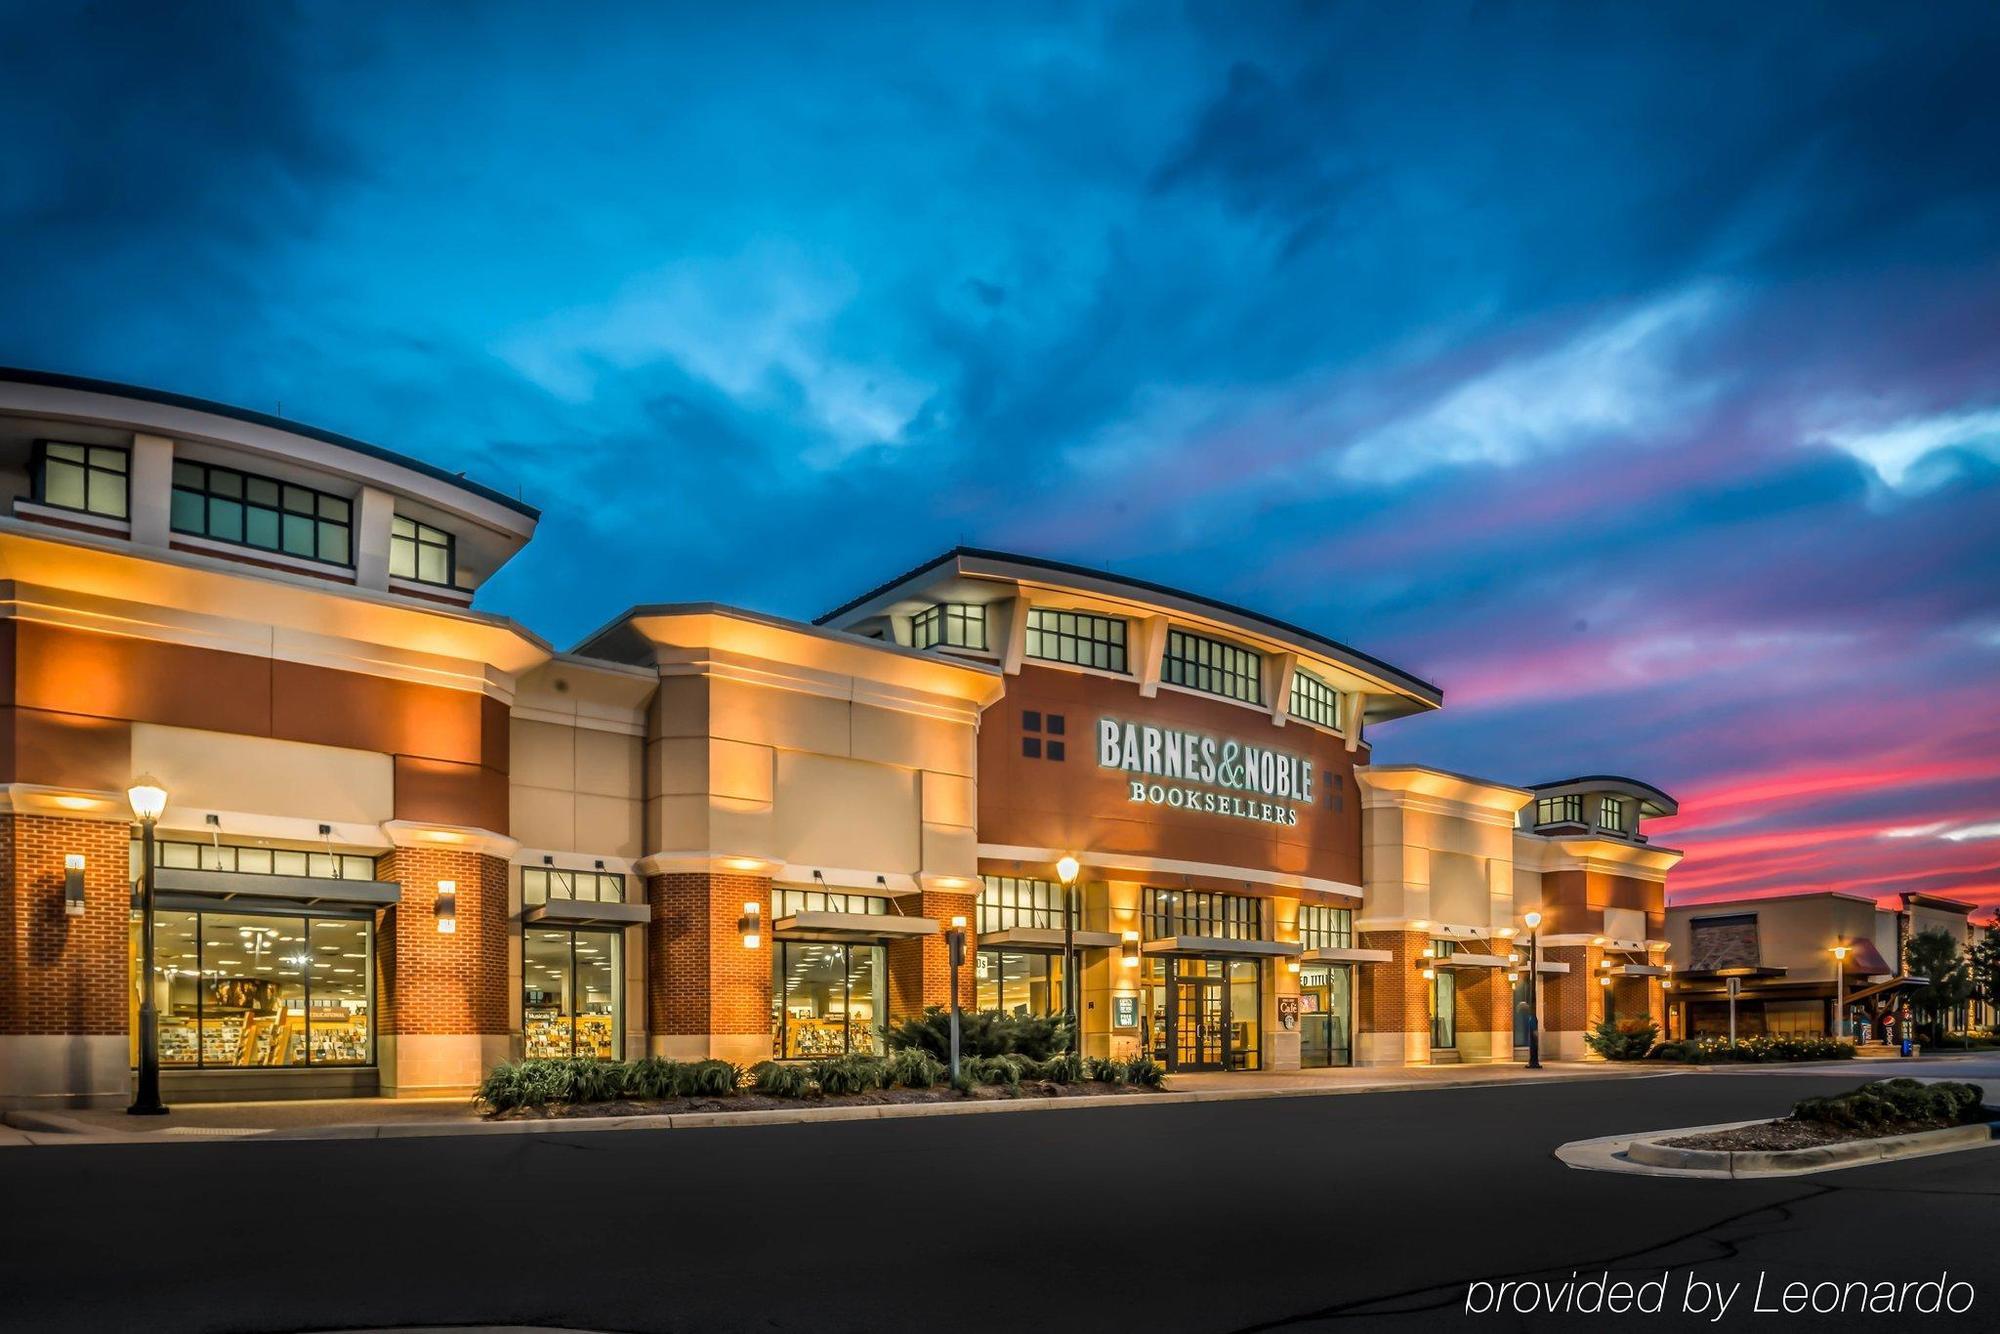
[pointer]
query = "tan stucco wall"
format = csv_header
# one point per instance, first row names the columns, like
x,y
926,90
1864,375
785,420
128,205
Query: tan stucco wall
x,y
1795,934
220,772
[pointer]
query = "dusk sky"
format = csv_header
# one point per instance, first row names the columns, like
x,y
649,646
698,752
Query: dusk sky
x,y
1631,372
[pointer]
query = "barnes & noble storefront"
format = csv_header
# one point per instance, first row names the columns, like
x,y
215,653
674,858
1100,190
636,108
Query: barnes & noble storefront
x,y
263,957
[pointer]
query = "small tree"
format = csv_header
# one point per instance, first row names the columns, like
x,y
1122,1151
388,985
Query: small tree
x,y
1622,1039
1984,960
1935,955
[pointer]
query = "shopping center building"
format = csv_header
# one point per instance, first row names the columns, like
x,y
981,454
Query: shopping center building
x,y
406,838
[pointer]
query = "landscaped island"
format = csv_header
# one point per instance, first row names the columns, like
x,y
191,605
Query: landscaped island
x,y
1000,1056
1881,1108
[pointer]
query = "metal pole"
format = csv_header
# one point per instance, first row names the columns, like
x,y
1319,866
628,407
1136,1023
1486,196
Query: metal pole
x,y
1534,998
1071,993
955,941
146,1097
1839,998
1732,1014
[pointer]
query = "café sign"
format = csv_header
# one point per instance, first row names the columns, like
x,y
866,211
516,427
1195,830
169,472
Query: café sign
x,y
1198,772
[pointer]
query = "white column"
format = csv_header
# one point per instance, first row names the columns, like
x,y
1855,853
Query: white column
x,y
371,537
151,490
1151,648
1287,665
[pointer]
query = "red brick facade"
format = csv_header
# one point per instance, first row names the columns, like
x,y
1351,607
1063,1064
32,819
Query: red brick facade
x,y
1485,1002
432,983
920,968
700,980
61,974
1395,996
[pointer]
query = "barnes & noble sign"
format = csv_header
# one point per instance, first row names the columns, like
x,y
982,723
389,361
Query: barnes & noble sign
x,y
1193,771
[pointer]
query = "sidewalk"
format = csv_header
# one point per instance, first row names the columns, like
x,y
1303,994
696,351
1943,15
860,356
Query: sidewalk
x,y
397,1118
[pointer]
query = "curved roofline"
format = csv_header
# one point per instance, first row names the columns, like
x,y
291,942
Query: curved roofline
x,y
165,398
1415,684
1633,783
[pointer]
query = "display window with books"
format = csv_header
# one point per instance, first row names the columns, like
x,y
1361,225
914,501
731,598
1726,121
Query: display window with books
x,y
570,992
829,998
238,990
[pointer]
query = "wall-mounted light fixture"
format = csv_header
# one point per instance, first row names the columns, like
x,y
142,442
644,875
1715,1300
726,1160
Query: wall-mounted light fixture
x,y
73,884
1429,973
750,924
1128,949
1604,981
447,907
1291,965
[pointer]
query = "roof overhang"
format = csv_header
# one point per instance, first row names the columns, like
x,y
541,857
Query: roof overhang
x,y
582,912
1247,949
1470,963
1393,692
851,927
1652,801
1345,954
1046,938
305,890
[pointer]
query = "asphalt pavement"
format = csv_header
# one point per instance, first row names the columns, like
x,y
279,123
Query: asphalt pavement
x,y
1361,1211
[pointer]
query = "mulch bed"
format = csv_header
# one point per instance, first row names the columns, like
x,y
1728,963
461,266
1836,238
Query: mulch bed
x,y
1790,1134
748,1101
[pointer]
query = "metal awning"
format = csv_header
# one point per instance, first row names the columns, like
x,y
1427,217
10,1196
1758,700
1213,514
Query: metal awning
x,y
585,912
1469,962
1722,974
1551,966
303,889
1247,949
1346,954
818,924
1046,938
1637,970
1907,983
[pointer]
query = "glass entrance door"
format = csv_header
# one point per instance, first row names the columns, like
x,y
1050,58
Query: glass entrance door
x,y
1202,1014
1200,1019
1326,1028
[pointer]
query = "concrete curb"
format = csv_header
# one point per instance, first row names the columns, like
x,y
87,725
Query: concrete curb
x,y
45,1128
1645,1155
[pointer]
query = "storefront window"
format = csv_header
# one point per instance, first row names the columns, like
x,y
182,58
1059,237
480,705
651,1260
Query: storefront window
x,y
1009,901
257,860
248,990
1245,1014
1018,983
829,998
1444,999
1326,1015
569,993
539,884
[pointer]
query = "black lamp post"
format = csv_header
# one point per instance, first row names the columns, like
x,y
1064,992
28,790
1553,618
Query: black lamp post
x,y
954,939
1067,869
149,801
1534,921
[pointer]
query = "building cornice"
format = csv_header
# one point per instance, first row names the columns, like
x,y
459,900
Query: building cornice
x,y
1112,862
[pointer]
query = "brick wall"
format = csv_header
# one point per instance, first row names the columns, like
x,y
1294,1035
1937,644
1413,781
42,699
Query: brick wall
x,y
700,980
431,983
920,968
61,974
1568,1000
1394,998
1485,1001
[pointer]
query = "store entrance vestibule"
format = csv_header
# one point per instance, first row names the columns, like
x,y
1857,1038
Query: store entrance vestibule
x,y
1203,1013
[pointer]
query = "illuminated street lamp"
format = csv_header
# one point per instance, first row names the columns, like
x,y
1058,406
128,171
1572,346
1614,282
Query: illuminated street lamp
x,y
1067,870
1840,991
149,802
1534,921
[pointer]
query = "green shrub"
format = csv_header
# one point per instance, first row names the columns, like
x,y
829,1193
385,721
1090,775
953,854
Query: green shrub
x,y
1706,1050
504,1088
855,1073
981,1033
1144,1072
709,1079
915,1068
1103,1070
1062,1068
1891,1104
993,1070
1622,1039
652,1077
781,1079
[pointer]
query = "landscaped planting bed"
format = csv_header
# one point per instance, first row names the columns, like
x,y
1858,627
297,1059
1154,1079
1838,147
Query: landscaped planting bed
x,y
582,1087
1873,1111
